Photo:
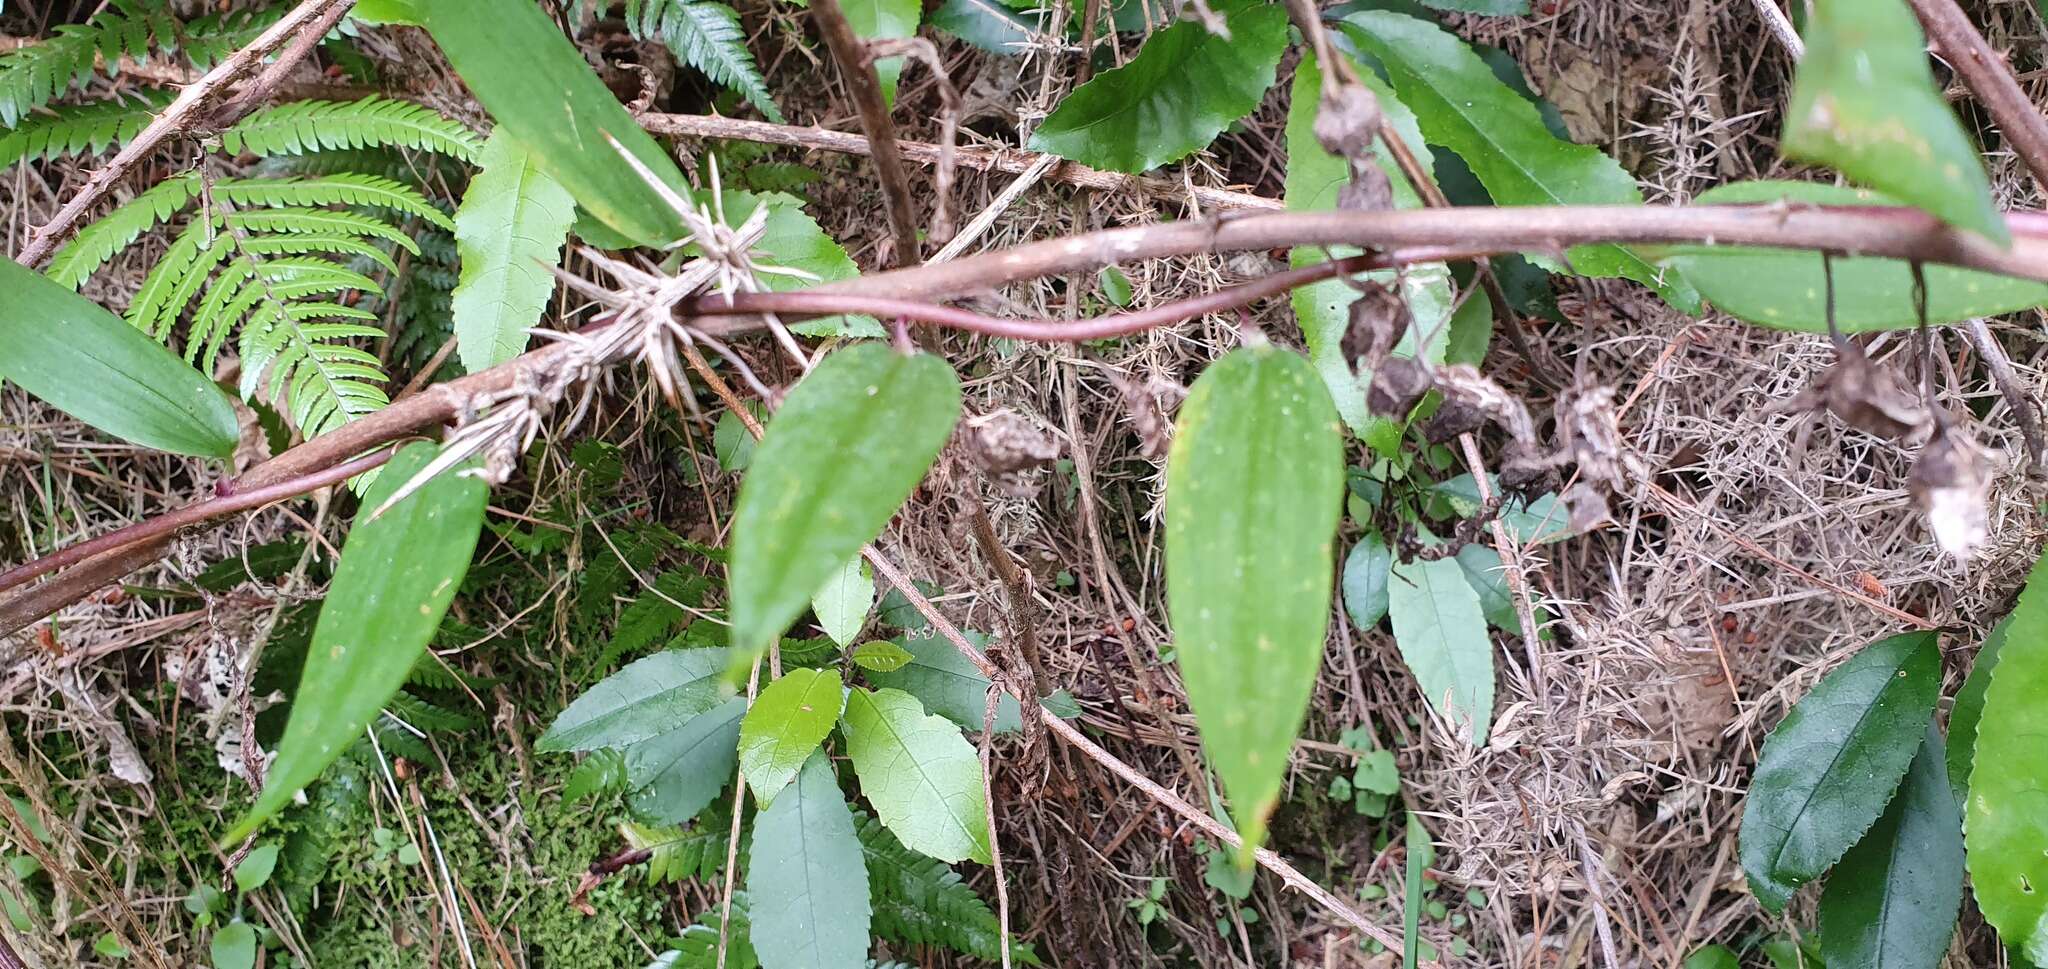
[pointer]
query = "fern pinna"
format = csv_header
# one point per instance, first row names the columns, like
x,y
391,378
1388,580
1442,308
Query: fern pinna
x,y
278,263
36,74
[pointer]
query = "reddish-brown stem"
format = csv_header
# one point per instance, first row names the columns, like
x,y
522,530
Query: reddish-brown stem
x,y
150,529
1898,233
857,69
809,303
1988,76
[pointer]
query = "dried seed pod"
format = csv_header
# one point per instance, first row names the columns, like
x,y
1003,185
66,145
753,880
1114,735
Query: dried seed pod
x,y
1526,467
1347,121
1589,432
1870,398
1379,318
1008,446
1586,506
1369,189
1453,417
1949,482
1397,386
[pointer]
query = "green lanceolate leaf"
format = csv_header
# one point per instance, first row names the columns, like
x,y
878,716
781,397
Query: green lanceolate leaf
x,y
1366,572
946,682
1465,108
919,773
1788,290
1831,765
881,656
1491,8
88,363
789,720
548,100
884,20
842,603
508,231
1254,485
650,696
1185,86
1324,309
986,24
398,572
673,775
1441,631
2007,813
1968,710
1865,103
807,885
1892,901
847,447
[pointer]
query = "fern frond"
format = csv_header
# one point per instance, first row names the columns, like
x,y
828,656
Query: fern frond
x,y
347,188
304,126
80,129
36,74
706,35
697,947
204,41
96,243
337,244
922,901
675,852
427,717
319,222
332,811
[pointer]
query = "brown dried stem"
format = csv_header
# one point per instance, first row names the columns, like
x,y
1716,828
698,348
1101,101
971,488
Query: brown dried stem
x,y
1988,75
857,69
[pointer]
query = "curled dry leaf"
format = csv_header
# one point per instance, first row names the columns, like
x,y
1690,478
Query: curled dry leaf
x,y
1006,443
1865,396
1379,318
1589,432
1397,386
1148,405
1948,482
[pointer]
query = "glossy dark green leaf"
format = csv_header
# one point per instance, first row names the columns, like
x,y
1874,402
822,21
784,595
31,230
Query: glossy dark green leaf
x,y
920,774
1531,521
1324,309
1441,632
508,232
1788,290
807,884
789,720
1181,90
650,696
2007,814
548,99
848,446
398,572
1465,108
1864,102
1491,8
986,24
92,365
673,775
1830,767
1968,711
1366,572
947,683
1713,957
1254,486
1892,901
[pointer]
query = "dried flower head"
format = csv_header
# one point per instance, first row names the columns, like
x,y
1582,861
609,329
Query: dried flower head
x,y
1948,482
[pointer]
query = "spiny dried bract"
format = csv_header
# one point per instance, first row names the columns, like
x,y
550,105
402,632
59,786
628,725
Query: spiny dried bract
x,y
1949,482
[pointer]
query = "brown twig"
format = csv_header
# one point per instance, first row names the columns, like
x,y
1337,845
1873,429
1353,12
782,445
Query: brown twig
x,y
1988,75
151,529
185,114
1898,233
857,69
1013,161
